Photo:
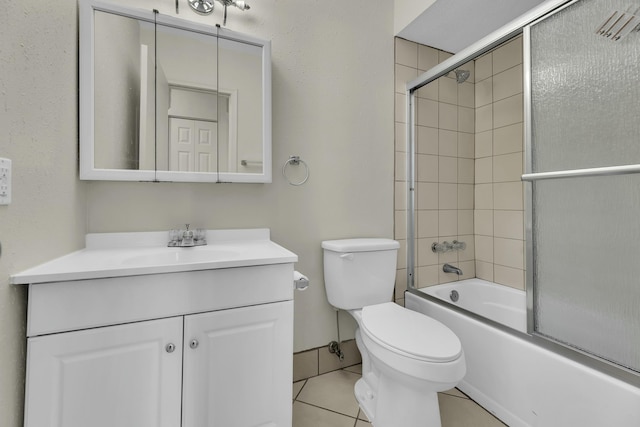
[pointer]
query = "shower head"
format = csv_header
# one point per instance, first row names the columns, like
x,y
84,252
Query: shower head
x,y
462,75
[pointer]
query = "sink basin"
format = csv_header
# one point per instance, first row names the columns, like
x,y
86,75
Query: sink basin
x,y
110,255
180,256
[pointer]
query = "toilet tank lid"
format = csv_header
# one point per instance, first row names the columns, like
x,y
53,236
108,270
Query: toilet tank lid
x,y
360,245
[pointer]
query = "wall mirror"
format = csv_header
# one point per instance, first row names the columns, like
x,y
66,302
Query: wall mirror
x,y
165,99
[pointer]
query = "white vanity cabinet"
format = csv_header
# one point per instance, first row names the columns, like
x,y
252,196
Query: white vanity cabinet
x,y
105,377
235,363
193,345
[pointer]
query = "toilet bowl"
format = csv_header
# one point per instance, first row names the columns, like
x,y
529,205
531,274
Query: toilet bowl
x,y
407,357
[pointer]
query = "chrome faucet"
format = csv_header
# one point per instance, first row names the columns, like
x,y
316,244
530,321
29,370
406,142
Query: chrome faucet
x,y
187,238
448,268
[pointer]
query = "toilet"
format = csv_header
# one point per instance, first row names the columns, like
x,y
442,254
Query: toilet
x,y
407,357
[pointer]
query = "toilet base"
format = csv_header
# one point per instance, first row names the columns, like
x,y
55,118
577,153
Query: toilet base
x,y
393,404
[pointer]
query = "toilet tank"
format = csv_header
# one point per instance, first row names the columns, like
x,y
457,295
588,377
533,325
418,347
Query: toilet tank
x,y
359,272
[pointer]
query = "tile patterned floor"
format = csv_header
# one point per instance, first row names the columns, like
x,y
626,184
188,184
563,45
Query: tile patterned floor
x,y
328,401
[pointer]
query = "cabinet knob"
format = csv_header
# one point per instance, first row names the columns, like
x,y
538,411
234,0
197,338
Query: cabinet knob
x,y
194,343
170,347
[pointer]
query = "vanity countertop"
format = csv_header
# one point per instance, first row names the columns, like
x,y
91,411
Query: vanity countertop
x,y
142,253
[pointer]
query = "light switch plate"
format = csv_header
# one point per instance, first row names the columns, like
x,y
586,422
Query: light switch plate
x,y
5,181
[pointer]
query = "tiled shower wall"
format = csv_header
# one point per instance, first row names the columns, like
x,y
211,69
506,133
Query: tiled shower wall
x,y
469,159
499,211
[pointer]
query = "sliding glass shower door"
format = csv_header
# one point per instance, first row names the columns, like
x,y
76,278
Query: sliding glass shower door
x,y
584,154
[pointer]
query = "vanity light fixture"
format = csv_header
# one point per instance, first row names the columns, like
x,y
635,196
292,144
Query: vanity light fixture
x,y
205,7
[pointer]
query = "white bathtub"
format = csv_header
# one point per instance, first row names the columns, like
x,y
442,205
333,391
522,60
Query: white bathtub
x,y
520,382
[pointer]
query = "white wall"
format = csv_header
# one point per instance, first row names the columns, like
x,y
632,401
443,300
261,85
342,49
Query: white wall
x,y
38,119
332,105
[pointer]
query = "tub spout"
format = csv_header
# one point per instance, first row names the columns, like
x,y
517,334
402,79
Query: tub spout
x,y
448,268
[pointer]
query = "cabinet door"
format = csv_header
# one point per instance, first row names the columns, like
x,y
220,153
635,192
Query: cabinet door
x,y
116,376
239,373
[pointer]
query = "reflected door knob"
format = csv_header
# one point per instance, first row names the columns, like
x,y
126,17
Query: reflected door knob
x,y
170,347
194,343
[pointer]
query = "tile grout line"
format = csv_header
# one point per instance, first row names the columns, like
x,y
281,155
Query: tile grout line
x,y
325,409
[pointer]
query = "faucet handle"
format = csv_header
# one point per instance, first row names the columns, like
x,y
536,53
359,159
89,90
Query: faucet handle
x,y
187,226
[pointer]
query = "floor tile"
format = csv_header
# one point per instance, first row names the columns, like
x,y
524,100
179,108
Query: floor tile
x,y
333,391
457,412
297,386
310,416
362,416
456,392
361,423
328,362
357,369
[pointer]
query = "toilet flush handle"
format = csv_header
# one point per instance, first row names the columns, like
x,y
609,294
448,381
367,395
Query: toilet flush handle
x,y
348,256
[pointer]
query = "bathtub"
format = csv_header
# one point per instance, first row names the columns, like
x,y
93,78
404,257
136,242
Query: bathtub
x,y
520,382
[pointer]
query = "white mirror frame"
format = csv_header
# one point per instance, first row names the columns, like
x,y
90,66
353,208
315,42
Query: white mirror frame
x,y
88,171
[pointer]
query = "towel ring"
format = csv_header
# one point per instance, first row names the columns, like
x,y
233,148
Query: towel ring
x,y
295,160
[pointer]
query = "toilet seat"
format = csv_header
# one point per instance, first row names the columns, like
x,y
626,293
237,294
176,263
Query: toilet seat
x,y
409,333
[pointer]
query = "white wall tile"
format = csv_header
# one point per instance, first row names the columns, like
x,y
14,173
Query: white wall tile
x,y
400,195
484,67
465,222
401,137
466,94
427,195
484,248
507,167
448,90
400,229
427,57
447,222
484,144
507,196
427,276
466,171
466,119
508,139
447,143
427,168
484,118
469,253
401,166
427,223
447,116
507,83
401,108
403,75
484,92
484,170
448,196
512,277
429,91
425,255
483,222
406,52
508,252
508,111
508,224
484,270
448,169
466,145
427,140
426,112
483,198
465,196
507,55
